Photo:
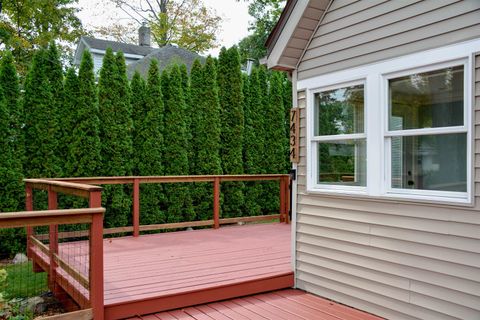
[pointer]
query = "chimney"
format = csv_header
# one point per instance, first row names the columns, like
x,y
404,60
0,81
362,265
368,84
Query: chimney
x,y
144,35
250,63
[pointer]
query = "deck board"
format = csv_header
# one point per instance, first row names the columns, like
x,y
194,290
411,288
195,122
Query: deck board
x,y
283,304
189,265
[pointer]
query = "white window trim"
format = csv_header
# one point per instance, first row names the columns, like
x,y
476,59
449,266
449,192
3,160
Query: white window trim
x,y
314,140
375,78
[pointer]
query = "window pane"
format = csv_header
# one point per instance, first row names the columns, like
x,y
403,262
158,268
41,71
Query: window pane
x,y
342,163
339,111
427,100
432,162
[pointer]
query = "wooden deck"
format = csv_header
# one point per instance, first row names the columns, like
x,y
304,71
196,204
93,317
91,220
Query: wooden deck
x,y
277,305
153,273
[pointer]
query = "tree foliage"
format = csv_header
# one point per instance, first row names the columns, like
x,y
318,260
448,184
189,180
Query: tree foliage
x,y
41,128
205,131
84,149
178,199
11,89
115,135
148,139
189,24
232,118
29,24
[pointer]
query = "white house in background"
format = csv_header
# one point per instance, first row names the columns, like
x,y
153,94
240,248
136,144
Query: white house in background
x,y
98,47
386,204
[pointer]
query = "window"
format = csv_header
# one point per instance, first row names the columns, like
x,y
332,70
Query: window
x,y
422,159
339,135
399,128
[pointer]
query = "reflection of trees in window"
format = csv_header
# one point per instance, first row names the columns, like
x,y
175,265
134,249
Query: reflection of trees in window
x,y
338,111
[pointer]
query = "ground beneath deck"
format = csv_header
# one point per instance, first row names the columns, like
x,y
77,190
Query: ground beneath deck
x,y
278,305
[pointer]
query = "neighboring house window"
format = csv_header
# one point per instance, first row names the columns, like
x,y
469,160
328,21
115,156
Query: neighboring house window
x,y
398,129
339,136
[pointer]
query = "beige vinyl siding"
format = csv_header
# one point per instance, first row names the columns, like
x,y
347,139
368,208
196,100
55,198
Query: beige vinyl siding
x,y
354,33
396,259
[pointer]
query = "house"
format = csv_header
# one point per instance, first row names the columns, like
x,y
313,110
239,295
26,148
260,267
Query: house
x,y
386,205
137,57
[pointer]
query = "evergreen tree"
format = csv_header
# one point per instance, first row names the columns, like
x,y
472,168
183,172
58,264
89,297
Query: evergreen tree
x,y
11,89
149,145
205,132
11,182
254,143
67,119
137,98
41,131
232,119
277,147
115,135
179,203
188,111
84,148
54,72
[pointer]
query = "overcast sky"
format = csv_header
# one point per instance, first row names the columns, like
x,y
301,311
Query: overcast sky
x,y
234,25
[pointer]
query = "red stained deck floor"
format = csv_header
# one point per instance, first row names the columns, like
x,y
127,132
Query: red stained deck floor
x,y
166,271
278,305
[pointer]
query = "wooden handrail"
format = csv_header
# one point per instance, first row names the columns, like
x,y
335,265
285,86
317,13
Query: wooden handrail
x,y
66,187
47,217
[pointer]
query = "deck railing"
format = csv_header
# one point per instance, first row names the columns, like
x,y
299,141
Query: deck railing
x,y
216,180
61,271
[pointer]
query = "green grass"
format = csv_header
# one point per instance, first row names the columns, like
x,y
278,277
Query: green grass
x,y
22,282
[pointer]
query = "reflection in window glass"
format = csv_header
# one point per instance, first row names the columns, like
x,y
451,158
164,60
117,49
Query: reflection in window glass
x,y
339,111
342,163
427,100
431,162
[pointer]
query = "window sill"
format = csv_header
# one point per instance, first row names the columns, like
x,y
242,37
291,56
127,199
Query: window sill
x,y
390,197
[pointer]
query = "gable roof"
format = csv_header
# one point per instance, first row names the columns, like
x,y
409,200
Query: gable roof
x,y
102,45
165,56
293,31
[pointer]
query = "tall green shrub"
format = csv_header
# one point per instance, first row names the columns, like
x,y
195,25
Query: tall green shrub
x,y
115,135
178,199
68,118
287,103
276,147
205,130
232,119
149,146
41,128
254,143
11,89
137,100
84,149
12,240
188,110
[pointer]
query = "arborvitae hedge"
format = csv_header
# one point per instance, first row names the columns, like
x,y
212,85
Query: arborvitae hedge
x,y
254,143
84,158
137,98
205,130
115,136
232,119
148,146
68,120
178,199
40,121
11,90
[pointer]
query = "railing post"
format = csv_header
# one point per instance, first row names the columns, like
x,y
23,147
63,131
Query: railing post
x,y
282,199
136,207
29,207
53,240
96,258
216,203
